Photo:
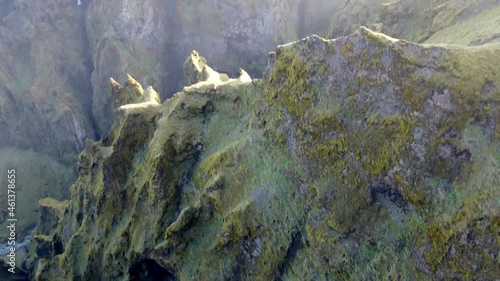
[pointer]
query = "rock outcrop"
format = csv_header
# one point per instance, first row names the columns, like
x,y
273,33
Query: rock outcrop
x,y
465,22
196,70
364,157
58,55
44,80
132,93
45,110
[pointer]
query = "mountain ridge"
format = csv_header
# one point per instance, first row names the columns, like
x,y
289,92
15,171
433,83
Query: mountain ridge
x,y
349,155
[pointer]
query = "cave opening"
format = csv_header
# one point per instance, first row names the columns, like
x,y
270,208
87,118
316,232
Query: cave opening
x,y
150,270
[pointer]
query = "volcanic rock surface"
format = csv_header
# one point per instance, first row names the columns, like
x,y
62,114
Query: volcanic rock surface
x,y
362,157
57,57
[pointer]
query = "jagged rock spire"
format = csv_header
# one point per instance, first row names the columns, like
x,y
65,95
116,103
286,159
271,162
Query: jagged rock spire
x,y
193,67
132,92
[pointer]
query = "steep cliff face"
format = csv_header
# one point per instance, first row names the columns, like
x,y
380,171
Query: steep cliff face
x,y
466,22
44,79
227,31
356,158
231,34
234,34
58,56
119,33
45,114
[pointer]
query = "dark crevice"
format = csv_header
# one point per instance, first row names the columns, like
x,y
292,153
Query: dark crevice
x,y
290,255
187,176
89,67
150,270
79,218
172,52
392,193
58,245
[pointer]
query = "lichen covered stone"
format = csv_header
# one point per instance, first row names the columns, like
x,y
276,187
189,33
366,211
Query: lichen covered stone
x,y
363,157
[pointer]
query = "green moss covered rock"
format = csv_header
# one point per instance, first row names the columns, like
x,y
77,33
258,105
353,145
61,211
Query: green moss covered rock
x,y
359,158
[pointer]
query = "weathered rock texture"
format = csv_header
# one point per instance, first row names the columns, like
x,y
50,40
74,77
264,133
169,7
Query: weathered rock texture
x,y
120,32
45,113
360,158
231,34
44,79
466,22
57,58
38,175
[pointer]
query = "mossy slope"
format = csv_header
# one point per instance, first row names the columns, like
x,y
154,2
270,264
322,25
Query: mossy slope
x,y
359,158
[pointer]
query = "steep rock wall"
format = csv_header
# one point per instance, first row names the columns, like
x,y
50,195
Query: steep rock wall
x,y
465,22
45,80
45,112
231,34
356,158
58,56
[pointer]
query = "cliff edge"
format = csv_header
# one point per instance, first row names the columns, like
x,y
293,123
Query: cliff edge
x,y
362,157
